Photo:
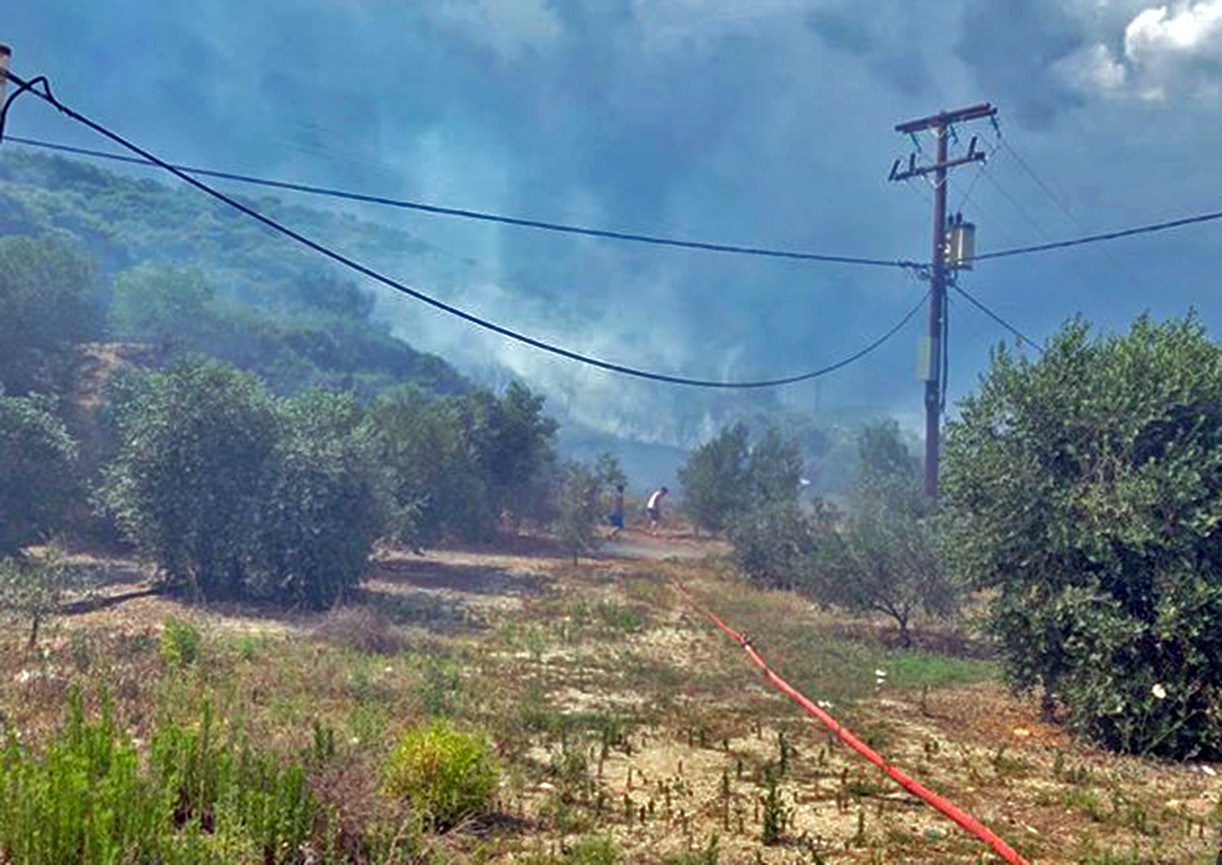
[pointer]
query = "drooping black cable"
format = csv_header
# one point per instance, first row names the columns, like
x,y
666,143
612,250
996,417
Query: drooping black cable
x,y
997,318
480,215
46,95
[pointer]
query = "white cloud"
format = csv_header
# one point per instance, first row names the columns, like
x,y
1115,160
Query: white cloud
x,y
1157,35
1092,69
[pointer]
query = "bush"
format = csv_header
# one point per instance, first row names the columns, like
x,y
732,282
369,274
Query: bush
x,y
201,797
37,466
46,292
448,775
1084,490
714,479
580,510
321,511
233,493
773,544
179,643
196,454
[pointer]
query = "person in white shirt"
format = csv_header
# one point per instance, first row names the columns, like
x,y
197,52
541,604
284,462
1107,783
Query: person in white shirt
x,y
653,507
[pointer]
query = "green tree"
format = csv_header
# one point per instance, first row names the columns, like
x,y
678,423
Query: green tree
x,y
1083,490
197,447
37,471
580,509
515,447
774,469
170,306
46,294
883,555
430,467
715,479
321,510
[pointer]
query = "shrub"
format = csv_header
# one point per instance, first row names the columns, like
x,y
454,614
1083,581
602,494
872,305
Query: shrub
x,y
580,510
447,775
321,510
179,643
1084,490
714,479
47,294
773,543
197,445
37,464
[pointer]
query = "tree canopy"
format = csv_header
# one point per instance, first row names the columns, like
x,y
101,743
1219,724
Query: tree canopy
x,y
1084,490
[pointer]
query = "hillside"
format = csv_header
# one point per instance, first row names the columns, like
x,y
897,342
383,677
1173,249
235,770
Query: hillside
x,y
271,307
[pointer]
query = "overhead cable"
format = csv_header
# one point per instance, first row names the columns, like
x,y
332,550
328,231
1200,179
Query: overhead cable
x,y
46,95
1096,238
481,215
997,318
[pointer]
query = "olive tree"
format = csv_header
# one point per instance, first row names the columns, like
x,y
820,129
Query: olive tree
x,y
881,555
1083,490
197,449
37,466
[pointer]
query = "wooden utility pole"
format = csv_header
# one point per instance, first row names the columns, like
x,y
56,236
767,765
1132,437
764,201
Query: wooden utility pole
x,y
5,54
936,355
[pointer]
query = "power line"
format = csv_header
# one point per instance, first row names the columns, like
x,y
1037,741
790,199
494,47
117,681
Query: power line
x,y
46,95
1096,238
481,215
997,318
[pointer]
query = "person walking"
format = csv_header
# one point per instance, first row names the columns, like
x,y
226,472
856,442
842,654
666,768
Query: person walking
x,y
653,507
616,517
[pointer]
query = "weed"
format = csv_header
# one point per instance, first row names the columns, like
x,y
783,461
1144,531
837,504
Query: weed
x,y
180,643
447,774
776,815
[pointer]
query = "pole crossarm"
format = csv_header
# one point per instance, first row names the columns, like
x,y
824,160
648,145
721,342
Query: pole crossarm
x,y
914,170
946,118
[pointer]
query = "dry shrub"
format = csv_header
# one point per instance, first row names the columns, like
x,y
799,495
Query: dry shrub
x,y
362,629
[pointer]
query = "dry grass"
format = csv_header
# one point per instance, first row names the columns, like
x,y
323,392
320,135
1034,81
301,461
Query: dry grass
x,y
618,711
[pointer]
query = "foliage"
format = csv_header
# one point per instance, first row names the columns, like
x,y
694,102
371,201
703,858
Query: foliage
x,y
580,509
321,510
774,543
431,476
515,446
197,451
33,587
37,465
775,813
46,292
1084,491
87,796
234,493
454,466
609,472
179,642
727,478
884,557
448,775
164,305
714,479
774,470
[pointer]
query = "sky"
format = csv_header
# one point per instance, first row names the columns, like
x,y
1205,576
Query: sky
x,y
756,122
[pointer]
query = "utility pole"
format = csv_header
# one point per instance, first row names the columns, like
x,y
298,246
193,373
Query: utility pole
x,y
5,54
934,358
